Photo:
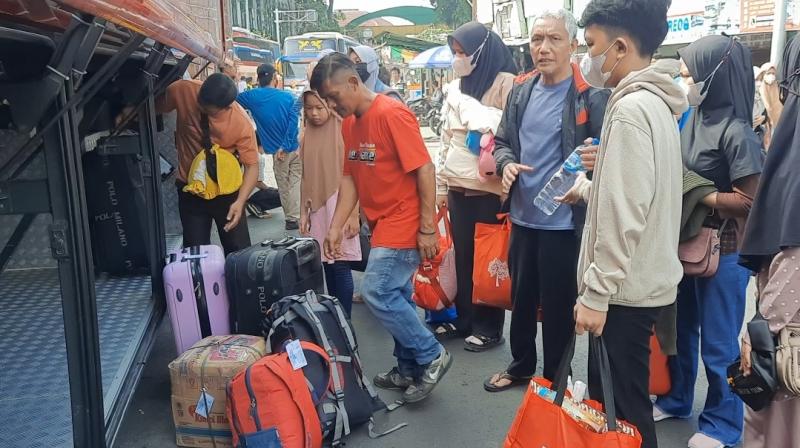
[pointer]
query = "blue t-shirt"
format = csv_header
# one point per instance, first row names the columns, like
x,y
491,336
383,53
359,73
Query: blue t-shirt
x,y
540,141
276,113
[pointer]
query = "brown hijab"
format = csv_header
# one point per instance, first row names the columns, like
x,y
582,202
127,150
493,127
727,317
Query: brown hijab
x,y
322,153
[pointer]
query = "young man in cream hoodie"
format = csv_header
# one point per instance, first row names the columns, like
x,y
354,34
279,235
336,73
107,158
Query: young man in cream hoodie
x,y
628,268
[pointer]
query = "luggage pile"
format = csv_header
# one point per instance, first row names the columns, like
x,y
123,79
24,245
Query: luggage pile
x,y
290,375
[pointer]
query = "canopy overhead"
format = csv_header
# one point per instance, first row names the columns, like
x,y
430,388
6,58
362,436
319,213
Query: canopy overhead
x,y
437,57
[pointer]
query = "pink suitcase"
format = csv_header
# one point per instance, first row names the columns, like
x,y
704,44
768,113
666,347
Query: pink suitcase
x,y
197,300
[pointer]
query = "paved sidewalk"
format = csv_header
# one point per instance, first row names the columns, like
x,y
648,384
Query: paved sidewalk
x,y
460,414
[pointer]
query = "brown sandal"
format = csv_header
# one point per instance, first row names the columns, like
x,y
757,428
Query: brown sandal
x,y
513,382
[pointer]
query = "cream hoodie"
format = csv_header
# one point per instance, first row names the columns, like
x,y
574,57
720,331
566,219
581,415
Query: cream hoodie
x,y
629,251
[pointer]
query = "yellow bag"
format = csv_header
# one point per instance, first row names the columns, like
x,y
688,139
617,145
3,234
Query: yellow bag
x,y
214,172
219,175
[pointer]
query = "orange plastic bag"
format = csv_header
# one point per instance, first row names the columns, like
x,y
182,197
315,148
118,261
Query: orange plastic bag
x,y
490,275
543,423
435,283
660,381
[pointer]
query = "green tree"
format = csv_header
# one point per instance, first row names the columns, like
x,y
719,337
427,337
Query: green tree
x,y
454,13
325,17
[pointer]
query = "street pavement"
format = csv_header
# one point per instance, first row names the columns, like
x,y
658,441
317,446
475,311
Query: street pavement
x,y
459,414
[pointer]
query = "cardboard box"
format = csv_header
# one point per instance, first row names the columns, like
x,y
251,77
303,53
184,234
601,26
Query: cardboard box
x,y
209,365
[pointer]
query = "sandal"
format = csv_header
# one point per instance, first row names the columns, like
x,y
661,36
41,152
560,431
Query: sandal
x,y
513,381
479,343
444,331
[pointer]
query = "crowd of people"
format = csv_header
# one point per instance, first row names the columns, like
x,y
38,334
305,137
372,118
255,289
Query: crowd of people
x,y
682,146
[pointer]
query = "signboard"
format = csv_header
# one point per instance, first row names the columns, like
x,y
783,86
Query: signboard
x,y
685,28
758,15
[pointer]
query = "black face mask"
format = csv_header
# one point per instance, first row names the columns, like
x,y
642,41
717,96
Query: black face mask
x,y
363,72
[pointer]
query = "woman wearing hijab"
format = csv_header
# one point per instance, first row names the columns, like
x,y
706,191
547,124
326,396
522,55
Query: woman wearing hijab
x,y
719,144
322,155
472,109
772,248
368,68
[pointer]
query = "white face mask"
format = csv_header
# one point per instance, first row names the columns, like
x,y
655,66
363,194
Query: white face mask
x,y
463,66
769,78
694,93
592,69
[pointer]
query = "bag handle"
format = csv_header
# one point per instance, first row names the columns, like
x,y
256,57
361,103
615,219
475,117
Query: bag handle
x,y
444,215
600,356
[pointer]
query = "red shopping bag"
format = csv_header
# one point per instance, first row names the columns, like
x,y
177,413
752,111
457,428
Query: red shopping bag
x,y
660,381
435,280
490,276
542,422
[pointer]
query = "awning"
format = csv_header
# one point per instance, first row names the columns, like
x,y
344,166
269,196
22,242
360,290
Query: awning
x,y
437,57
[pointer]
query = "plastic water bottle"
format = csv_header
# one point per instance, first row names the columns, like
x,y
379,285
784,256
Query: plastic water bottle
x,y
561,182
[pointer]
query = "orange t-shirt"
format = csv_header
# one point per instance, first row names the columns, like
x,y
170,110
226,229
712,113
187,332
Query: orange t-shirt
x,y
231,129
383,148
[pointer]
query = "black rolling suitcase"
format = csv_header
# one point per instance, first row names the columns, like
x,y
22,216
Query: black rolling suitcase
x,y
262,274
115,198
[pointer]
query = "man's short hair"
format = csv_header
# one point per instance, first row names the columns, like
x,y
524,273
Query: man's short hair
x,y
242,78
645,21
559,14
218,91
328,67
265,73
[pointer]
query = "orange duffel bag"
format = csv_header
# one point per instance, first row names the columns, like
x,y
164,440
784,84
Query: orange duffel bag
x,y
490,275
548,417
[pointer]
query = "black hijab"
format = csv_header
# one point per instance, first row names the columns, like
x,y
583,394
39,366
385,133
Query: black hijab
x,y
494,58
774,222
718,141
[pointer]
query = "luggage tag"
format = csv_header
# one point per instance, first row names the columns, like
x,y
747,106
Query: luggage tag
x,y
204,404
296,355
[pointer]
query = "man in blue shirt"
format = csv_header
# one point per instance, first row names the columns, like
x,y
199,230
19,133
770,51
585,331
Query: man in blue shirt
x,y
277,113
550,112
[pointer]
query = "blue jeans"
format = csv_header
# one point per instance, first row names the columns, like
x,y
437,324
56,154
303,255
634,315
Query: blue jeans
x,y
710,315
339,280
387,288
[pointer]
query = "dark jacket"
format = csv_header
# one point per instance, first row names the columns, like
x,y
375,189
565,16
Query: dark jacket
x,y
582,119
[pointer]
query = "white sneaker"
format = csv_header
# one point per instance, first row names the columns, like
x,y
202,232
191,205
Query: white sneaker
x,y
659,414
700,440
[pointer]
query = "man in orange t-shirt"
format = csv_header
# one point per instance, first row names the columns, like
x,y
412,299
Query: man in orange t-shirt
x,y
230,128
389,173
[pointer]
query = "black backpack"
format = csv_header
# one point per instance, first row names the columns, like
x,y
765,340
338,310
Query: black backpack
x,y
321,320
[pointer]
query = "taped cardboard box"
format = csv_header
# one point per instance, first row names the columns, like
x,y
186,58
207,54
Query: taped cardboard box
x,y
209,365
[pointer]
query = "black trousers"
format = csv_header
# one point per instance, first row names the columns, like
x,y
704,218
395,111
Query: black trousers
x,y
197,215
543,265
627,339
465,212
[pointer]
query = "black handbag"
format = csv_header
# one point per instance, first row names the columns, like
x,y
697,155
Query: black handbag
x,y
758,388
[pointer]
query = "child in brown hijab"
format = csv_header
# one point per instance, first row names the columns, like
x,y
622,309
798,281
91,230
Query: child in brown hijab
x,y
322,154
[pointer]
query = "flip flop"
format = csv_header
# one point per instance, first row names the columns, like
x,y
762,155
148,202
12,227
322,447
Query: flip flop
x,y
444,331
514,381
486,343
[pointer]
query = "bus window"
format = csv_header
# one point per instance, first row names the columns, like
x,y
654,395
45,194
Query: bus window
x,y
294,71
